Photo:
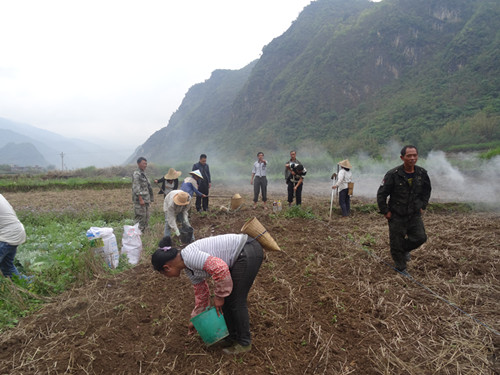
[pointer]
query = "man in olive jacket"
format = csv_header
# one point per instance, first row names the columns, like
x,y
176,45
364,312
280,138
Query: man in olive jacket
x,y
409,189
142,194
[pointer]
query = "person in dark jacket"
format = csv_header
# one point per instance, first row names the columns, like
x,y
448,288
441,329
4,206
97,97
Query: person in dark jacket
x,y
203,184
409,189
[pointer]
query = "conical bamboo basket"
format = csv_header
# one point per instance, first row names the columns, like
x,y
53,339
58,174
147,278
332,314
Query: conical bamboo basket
x,y
255,229
236,202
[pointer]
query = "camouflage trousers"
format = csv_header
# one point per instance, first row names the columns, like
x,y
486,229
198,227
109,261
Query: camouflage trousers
x,y
141,215
406,233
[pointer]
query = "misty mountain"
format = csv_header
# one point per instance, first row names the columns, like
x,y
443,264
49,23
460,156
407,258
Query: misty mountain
x,y
21,154
77,153
350,75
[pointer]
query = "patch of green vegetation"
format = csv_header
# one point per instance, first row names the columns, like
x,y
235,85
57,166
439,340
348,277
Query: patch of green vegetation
x,y
450,207
298,211
365,208
58,256
23,184
490,154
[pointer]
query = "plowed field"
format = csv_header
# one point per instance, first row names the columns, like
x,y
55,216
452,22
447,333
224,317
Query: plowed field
x,y
328,303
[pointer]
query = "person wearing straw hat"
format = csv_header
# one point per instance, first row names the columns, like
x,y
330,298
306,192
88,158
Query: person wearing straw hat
x,y
169,182
259,180
344,177
176,208
409,189
232,261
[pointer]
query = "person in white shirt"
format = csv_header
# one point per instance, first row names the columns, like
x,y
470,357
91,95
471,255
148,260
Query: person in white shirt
x,y
259,180
12,234
176,207
344,177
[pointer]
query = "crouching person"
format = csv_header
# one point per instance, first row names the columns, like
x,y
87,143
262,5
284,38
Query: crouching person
x,y
233,261
176,207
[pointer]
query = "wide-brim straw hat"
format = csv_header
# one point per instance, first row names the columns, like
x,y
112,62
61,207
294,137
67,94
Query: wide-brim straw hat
x,y
345,163
172,174
196,173
256,230
181,198
236,202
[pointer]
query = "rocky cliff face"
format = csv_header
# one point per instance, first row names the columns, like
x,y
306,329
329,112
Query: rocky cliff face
x,y
351,74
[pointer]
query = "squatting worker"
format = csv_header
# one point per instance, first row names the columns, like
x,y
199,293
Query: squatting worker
x,y
409,189
142,194
233,261
176,207
12,234
259,180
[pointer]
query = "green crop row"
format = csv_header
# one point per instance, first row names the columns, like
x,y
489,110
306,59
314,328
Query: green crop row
x,y
57,255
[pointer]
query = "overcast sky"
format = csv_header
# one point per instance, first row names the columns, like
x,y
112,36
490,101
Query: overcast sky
x,y
117,70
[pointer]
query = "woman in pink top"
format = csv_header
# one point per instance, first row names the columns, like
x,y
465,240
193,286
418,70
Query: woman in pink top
x,y
232,261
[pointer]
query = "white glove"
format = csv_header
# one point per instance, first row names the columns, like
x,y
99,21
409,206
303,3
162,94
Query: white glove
x,y
177,233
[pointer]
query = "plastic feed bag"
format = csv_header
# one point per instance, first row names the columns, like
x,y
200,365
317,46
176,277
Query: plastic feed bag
x,y
131,243
103,242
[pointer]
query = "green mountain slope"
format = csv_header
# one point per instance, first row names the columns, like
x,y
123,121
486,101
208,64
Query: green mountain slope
x,y
350,75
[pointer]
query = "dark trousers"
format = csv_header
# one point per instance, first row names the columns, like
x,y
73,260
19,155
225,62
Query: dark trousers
x,y
406,233
298,193
345,202
202,202
259,184
235,309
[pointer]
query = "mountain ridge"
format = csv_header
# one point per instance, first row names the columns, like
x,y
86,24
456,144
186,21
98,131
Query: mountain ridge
x,y
350,76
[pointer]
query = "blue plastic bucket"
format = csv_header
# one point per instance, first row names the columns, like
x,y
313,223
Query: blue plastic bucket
x,y
210,326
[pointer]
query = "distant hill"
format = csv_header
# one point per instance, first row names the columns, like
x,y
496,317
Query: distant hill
x,y
350,75
77,153
22,154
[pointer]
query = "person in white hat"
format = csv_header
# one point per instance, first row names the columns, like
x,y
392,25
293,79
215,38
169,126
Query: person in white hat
x,y
344,177
188,185
169,182
176,208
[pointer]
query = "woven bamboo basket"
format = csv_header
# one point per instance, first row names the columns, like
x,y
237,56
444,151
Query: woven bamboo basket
x,y
236,202
255,229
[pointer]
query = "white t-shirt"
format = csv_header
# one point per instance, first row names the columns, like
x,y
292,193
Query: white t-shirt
x,y
11,229
343,178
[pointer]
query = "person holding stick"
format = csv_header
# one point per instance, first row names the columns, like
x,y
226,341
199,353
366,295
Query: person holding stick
x,y
344,177
232,261
409,189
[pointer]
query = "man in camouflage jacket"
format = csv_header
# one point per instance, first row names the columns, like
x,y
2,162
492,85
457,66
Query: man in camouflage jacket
x,y
142,194
409,189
